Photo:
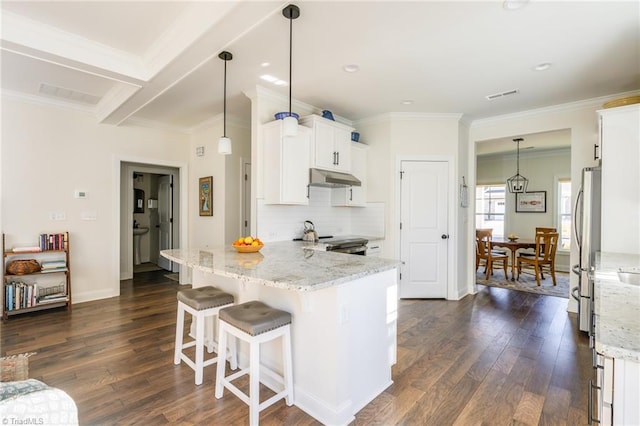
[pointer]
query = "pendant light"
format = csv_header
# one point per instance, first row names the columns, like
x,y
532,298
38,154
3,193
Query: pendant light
x,y
290,123
224,143
517,183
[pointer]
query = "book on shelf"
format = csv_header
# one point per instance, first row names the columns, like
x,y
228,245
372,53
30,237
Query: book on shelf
x,y
54,241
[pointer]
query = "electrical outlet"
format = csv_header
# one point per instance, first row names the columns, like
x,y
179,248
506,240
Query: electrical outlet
x,y
57,216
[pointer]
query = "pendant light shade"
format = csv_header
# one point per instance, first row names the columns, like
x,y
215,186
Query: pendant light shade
x,y
517,183
224,143
290,123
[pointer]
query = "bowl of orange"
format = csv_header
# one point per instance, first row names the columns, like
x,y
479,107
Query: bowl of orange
x,y
248,244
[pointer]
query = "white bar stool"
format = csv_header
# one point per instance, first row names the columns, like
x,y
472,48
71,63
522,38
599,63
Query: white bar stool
x,y
256,323
202,303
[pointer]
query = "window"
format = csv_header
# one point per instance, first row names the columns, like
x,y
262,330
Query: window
x,y
490,208
564,218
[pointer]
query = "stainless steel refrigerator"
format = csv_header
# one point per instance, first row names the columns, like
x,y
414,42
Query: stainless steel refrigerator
x,y
587,229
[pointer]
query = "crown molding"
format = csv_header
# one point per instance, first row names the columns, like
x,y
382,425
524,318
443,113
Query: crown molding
x,y
48,102
233,120
28,37
408,116
592,104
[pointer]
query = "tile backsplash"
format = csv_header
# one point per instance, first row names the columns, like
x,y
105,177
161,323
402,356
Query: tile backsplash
x,y
286,222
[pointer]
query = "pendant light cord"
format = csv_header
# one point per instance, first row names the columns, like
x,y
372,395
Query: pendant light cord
x,y
290,59
224,121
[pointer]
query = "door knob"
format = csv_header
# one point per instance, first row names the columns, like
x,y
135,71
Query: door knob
x,y
444,236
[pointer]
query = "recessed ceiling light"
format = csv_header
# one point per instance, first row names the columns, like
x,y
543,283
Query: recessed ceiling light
x,y
265,64
514,4
407,102
351,68
543,66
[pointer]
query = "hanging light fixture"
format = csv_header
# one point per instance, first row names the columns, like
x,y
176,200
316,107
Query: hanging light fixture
x,y
290,123
224,143
517,183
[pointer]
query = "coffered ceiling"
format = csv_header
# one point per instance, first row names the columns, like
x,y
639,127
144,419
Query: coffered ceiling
x,y
157,61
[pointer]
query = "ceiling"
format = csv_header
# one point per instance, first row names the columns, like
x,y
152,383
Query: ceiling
x,y
157,61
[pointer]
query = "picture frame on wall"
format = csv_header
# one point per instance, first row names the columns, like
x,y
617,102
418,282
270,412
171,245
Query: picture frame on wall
x,y
531,202
205,196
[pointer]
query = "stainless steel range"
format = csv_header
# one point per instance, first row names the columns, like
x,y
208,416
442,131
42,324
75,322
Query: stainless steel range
x,y
350,245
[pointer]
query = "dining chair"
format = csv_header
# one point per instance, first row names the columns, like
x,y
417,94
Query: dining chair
x,y
546,245
485,252
539,230
480,232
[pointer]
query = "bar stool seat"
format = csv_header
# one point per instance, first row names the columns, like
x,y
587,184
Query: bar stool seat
x,y
256,323
203,303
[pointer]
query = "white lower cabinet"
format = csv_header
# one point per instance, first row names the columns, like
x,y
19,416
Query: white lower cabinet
x,y
286,164
617,392
354,195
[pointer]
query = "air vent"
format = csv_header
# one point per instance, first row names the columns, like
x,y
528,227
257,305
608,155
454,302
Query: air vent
x,y
501,95
68,94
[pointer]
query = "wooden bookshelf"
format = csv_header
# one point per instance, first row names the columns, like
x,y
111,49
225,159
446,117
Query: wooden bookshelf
x,y
48,288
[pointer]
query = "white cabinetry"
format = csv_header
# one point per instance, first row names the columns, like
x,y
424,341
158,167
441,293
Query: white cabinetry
x,y
619,141
286,164
617,392
330,143
354,195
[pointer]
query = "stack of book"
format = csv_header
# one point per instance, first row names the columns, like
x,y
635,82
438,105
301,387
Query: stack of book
x,y
54,266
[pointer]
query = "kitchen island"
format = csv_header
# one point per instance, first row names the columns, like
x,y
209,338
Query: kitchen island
x,y
344,317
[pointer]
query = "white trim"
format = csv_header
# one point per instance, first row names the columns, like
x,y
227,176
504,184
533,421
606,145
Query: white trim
x,y
25,34
417,116
46,101
570,106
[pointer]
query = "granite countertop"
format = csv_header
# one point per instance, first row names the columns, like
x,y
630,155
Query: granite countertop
x,y
617,308
290,265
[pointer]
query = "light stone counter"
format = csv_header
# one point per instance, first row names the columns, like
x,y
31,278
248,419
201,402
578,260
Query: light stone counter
x,y
617,308
298,266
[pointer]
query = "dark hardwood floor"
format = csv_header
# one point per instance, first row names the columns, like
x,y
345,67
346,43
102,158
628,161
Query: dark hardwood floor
x,y
499,357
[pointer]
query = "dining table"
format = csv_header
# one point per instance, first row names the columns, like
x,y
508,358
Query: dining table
x,y
513,245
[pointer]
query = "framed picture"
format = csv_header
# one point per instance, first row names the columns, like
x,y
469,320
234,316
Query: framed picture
x,y
205,196
531,202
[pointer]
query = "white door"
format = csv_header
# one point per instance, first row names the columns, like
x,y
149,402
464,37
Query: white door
x,y
165,218
424,230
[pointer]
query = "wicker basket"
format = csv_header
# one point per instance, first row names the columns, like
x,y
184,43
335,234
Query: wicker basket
x,y
15,367
22,267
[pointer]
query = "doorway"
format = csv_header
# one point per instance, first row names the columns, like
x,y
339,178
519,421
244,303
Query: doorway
x,y
148,211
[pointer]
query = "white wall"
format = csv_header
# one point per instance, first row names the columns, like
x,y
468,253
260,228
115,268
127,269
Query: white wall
x,y
47,154
397,136
224,226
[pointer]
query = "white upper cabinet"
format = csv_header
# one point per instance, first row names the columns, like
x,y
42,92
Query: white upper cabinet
x,y
330,143
354,195
620,136
286,164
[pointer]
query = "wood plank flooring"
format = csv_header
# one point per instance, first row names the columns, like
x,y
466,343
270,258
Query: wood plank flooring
x,y
499,357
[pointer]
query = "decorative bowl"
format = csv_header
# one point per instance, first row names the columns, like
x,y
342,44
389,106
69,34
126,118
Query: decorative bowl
x,y
281,115
248,249
512,238
327,114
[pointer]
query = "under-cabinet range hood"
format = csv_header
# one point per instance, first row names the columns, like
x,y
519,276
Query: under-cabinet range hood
x,y
318,177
